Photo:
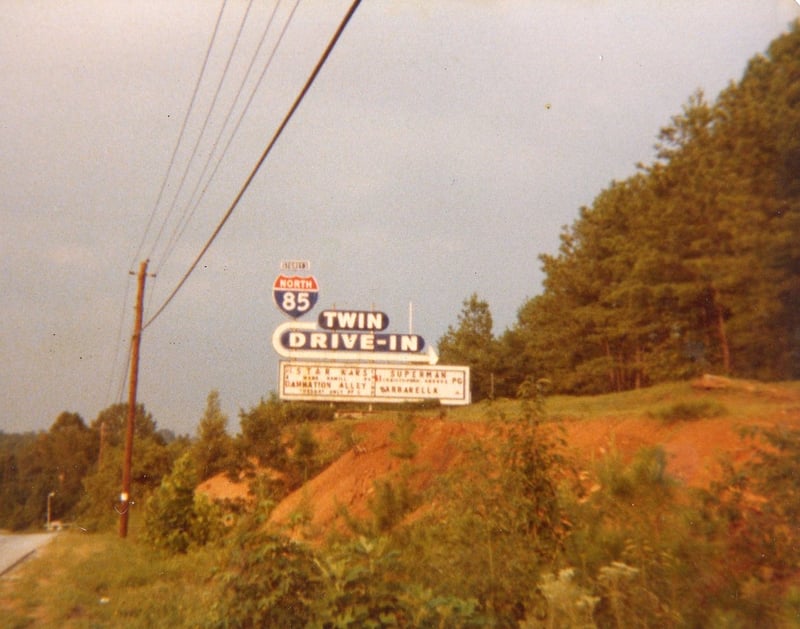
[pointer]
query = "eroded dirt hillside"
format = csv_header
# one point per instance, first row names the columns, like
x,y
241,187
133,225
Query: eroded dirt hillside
x,y
694,450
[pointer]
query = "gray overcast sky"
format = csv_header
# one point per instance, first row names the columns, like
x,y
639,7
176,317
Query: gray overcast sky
x,y
441,150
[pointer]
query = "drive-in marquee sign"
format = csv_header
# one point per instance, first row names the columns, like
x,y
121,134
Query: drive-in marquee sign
x,y
385,367
368,382
304,340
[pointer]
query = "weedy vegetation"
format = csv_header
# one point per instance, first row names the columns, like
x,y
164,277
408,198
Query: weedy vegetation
x,y
514,537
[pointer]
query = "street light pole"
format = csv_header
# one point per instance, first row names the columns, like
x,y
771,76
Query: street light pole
x,y
49,498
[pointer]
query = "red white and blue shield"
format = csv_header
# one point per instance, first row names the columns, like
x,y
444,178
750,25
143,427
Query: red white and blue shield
x,y
295,295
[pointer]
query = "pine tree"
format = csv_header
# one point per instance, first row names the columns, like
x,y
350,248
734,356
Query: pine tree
x,y
472,343
213,450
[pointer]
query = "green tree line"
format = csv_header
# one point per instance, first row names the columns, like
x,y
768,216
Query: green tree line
x,y
73,461
690,265
80,464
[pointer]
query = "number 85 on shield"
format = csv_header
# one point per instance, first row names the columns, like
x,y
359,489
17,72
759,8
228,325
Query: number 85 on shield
x,y
295,295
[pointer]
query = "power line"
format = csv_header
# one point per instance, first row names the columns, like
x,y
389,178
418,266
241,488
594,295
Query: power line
x,y
203,128
124,378
182,133
154,210
112,371
195,200
263,157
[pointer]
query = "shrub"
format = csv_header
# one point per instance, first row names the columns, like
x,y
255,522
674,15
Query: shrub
x,y
177,519
269,581
760,506
305,450
303,412
358,587
390,502
403,446
686,411
497,523
569,606
363,586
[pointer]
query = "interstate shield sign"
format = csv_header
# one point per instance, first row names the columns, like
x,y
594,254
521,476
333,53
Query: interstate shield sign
x,y
295,295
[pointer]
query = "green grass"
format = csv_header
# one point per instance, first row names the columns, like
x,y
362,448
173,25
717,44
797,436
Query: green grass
x,y
672,401
625,404
99,580
738,403
689,410
481,411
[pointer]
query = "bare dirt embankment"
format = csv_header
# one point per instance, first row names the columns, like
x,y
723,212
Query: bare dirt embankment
x,y
694,450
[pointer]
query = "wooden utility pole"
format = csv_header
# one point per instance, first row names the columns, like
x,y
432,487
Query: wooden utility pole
x,y
136,339
102,449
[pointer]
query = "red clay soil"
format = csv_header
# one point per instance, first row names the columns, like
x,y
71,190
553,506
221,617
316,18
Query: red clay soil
x,y
220,487
349,482
694,450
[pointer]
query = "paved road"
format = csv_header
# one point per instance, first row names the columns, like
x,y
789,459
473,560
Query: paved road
x,y
15,548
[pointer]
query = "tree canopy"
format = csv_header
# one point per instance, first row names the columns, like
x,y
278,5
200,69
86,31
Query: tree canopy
x,y
472,343
690,265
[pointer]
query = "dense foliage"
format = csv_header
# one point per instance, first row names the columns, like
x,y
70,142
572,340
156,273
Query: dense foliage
x,y
81,466
691,265
511,538
514,538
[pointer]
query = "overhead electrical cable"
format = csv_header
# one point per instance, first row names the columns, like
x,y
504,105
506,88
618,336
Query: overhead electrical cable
x,y
195,199
119,345
202,133
182,132
124,379
309,82
171,247
156,205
